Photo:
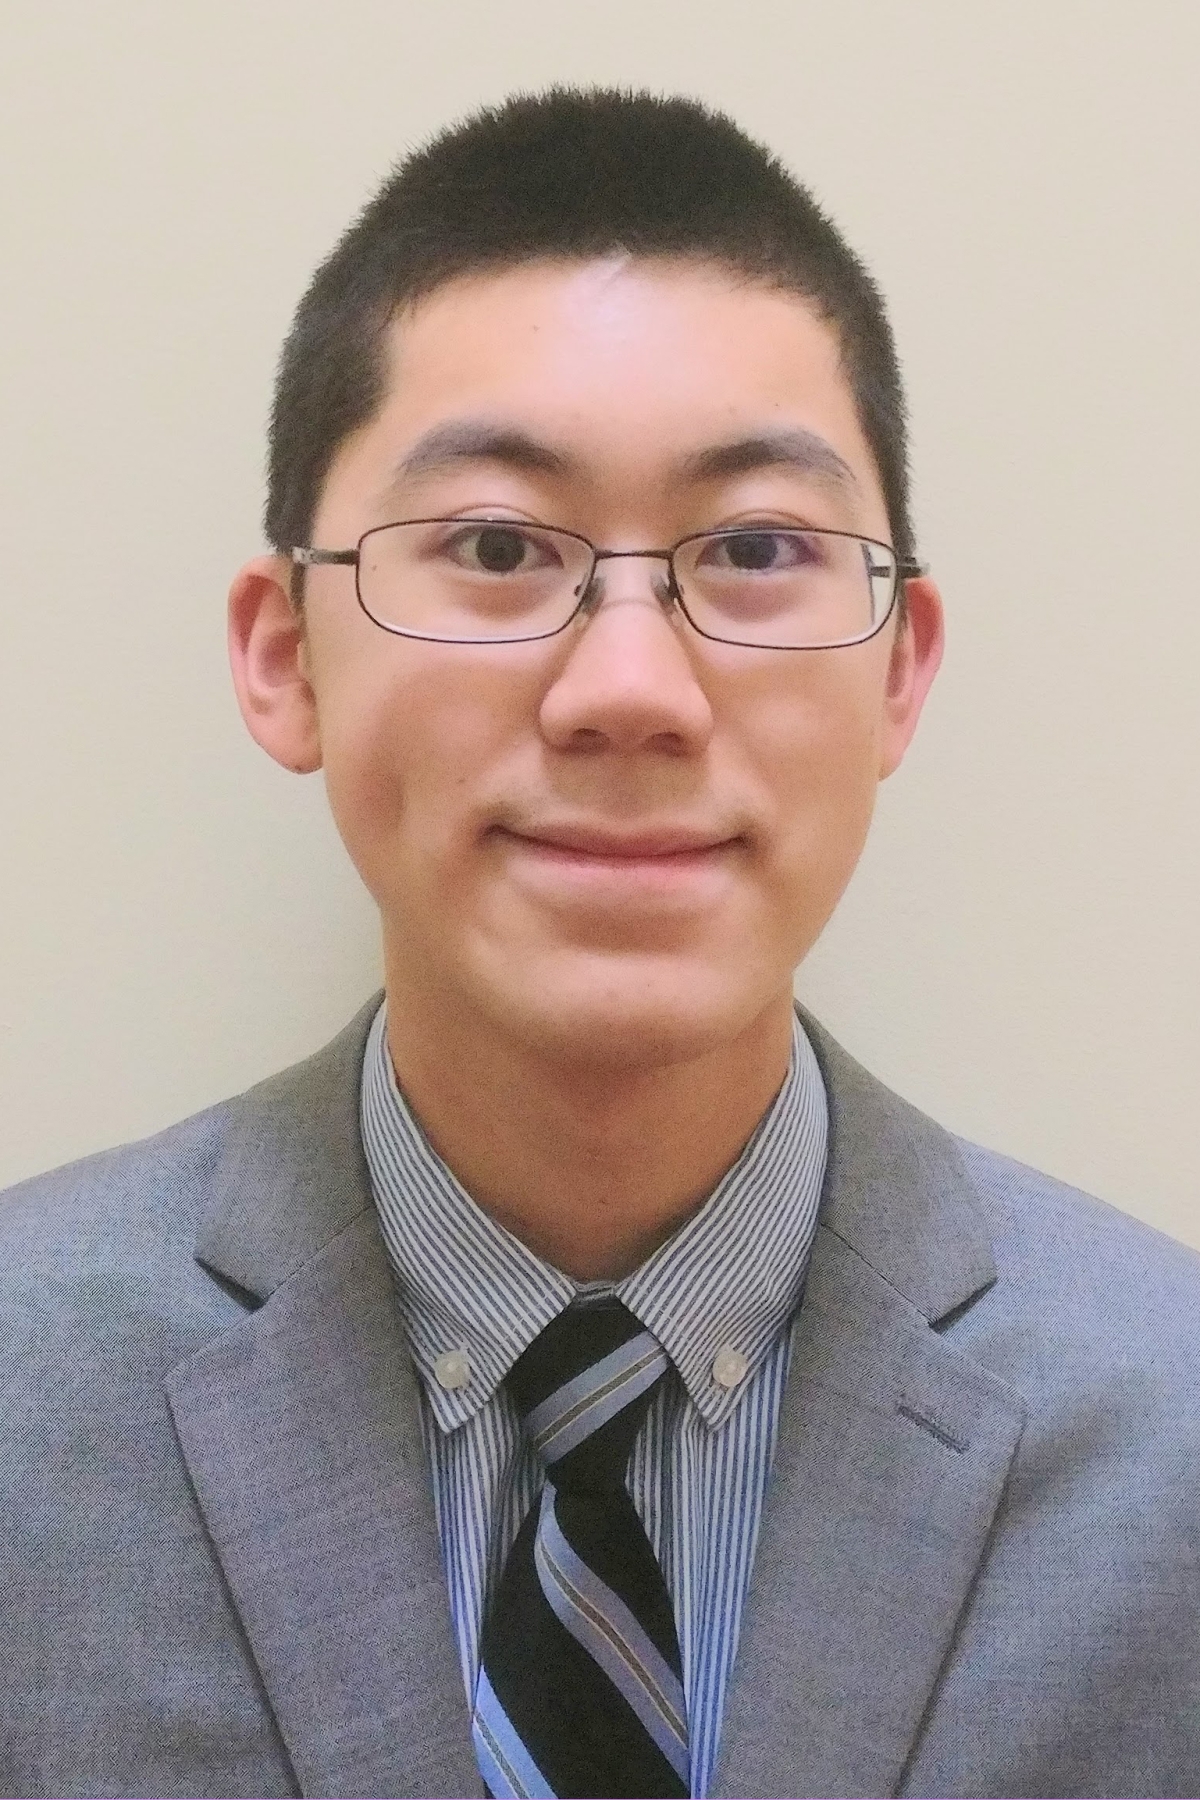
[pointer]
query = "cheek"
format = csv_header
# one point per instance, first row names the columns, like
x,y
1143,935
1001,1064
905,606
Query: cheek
x,y
407,746
818,753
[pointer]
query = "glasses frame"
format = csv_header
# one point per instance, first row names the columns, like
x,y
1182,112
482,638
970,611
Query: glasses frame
x,y
905,569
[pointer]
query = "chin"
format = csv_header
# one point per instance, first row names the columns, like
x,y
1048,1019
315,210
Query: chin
x,y
630,1013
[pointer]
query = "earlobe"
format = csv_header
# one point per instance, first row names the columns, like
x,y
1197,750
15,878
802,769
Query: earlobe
x,y
269,659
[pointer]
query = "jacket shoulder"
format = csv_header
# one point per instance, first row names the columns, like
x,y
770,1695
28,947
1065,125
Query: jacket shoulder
x,y
139,1196
143,1204
1094,1316
102,1250
1067,1245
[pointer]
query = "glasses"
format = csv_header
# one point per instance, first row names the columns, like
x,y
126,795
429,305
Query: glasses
x,y
500,581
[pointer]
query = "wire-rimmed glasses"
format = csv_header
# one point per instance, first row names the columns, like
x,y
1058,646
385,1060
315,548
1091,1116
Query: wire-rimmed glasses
x,y
502,581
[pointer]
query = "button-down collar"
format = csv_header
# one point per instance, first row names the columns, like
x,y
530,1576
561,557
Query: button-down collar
x,y
720,1288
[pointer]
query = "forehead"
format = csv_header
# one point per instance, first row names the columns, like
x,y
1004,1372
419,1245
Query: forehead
x,y
633,371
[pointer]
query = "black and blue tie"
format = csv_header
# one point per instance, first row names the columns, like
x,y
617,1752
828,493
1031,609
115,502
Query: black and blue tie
x,y
579,1689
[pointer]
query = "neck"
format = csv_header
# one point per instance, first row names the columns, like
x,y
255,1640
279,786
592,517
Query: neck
x,y
591,1167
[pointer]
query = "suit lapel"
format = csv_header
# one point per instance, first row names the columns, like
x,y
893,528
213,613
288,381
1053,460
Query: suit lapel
x,y
302,1436
891,1459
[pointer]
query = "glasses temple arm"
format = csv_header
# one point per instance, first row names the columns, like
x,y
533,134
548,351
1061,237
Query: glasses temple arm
x,y
307,558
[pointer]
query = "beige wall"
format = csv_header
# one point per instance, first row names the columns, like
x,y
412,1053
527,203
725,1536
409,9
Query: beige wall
x,y
1018,952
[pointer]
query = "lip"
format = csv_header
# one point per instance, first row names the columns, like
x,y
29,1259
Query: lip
x,y
663,843
654,872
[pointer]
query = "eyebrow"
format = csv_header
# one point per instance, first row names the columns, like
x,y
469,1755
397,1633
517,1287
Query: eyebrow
x,y
464,441
473,441
790,447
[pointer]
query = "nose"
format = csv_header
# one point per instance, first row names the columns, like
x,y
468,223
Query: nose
x,y
627,681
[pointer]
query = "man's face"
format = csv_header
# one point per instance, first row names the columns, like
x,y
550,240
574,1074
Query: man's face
x,y
611,846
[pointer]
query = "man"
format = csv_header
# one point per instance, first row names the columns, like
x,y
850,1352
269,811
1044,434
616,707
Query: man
x,y
581,1377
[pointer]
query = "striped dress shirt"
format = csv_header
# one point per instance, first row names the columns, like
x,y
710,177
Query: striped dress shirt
x,y
719,1295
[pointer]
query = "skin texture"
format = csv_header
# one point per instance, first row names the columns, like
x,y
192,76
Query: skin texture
x,y
590,1037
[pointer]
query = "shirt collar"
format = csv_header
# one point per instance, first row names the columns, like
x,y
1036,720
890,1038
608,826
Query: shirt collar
x,y
728,1280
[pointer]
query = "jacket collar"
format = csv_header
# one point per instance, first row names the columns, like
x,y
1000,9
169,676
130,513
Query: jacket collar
x,y
897,1191
293,1175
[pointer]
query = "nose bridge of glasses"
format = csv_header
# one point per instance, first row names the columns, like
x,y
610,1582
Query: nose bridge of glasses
x,y
664,586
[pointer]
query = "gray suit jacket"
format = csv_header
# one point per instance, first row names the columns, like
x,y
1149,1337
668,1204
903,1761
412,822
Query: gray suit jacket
x,y
979,1565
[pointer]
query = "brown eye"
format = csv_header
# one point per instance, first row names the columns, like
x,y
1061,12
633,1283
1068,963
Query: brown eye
x,y
753,550
499,551
492,547
762,552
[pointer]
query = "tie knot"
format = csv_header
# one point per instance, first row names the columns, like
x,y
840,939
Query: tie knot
x,y
582,1389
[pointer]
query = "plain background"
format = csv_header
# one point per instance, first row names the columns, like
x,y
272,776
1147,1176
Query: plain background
x,y
1017,953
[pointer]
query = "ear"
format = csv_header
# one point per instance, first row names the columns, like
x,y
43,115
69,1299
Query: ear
x,y
916,656
268,653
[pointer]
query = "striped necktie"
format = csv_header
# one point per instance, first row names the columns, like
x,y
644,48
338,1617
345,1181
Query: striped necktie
x,y
579,1689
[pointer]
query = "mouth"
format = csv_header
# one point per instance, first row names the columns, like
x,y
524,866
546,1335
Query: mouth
x,y
661,860
665,843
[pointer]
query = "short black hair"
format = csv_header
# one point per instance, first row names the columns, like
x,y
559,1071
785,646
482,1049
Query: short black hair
x,y
567,174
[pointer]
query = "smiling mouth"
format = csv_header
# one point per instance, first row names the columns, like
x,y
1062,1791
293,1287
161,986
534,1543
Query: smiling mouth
x,y
654,865
667,847
660,867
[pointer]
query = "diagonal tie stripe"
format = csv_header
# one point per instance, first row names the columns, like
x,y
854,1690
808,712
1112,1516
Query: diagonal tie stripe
x,y
504,1762
579,1691
599,1619
579,1408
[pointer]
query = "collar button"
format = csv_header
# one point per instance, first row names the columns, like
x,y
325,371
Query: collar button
x,y
452,1369
729,1366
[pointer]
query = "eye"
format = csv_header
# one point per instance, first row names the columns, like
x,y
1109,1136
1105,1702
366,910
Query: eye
x,y
492,548
761,551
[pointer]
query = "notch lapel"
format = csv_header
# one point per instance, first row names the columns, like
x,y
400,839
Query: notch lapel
x,y
892,1455
301,1431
